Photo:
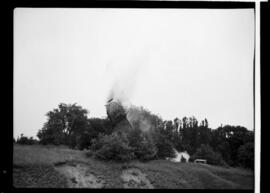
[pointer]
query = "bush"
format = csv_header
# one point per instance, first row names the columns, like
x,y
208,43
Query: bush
x,y
122,146
112,147
246,155
206,152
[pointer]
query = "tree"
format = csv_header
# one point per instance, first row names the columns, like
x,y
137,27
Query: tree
x,y
65,125
206,152
220,144
169,130
228,139
246,155
148,135
189,134
98,126
165,148
177,134
204,133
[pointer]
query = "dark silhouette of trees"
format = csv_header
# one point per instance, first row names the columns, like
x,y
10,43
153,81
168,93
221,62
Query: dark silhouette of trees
x,y
23,140
187,134
246,155
228,139
207,152
99,125
66,125
151,137
165,148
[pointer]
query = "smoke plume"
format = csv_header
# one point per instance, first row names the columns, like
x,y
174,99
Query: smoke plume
x,y
139,118
124,75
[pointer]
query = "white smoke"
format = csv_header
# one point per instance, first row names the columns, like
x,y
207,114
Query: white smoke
x,y
122,75
138,118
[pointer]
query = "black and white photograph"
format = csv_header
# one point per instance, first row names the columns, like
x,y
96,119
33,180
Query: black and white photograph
x,y
133,98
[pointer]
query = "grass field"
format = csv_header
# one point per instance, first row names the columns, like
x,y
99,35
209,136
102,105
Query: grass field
x,y
60,167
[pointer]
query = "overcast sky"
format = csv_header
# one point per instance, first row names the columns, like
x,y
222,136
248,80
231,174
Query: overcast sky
x,y
174,62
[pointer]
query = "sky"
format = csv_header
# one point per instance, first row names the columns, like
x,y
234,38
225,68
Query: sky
x,y
174,62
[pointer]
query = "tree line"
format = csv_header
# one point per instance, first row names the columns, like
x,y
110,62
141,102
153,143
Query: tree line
x,y
69,125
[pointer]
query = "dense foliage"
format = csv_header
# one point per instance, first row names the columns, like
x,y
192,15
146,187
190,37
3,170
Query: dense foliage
x,y
165,148
246,155
23,140
66,125
69,125
228,139
142,145
122,146
206,152
112,147
151,137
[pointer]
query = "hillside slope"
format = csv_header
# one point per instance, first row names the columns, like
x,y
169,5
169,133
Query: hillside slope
x,y
50,166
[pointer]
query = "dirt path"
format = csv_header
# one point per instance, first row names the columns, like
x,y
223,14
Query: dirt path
x,y
134,178
79,177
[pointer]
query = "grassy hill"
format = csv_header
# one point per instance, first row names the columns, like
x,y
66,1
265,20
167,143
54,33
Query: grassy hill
x,y
51,166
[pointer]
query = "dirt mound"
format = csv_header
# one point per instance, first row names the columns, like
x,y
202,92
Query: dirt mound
x,y
79,176
134,178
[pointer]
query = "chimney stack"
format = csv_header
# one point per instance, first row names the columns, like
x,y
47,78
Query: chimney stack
x,y
117,115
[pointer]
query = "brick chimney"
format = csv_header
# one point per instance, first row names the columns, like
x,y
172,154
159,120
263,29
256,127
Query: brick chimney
x,y
117,114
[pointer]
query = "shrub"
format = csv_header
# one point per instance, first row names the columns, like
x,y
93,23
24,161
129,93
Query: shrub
x,y
206,152
112,147
122,146
246,155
